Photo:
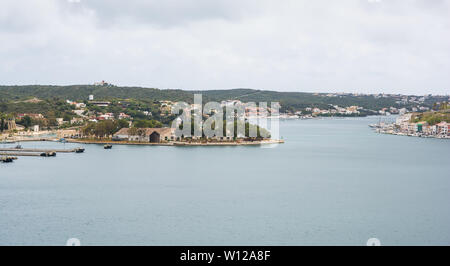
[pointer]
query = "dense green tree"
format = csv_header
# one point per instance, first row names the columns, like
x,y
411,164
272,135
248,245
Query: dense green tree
x,y
26,121
147,124
122,123
67,117
104,128
2,122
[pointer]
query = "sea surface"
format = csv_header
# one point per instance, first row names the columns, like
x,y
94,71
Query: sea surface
x,y
334,182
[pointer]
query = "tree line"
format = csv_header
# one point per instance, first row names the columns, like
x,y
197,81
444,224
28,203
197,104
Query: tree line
x,y
107,128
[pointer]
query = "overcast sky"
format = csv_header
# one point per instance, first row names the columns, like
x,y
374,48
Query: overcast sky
x,y
400,46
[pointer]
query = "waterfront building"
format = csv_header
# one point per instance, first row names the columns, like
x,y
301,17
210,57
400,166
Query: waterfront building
x,y
316,110
434,129
152,135
420,126
442,128
412,128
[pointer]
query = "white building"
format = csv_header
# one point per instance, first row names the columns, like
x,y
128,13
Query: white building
x,y
442,128
402,111
76,120
91,97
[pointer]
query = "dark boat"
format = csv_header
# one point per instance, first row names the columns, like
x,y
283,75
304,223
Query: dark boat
x,y
48,154
79,150
107,147
7,159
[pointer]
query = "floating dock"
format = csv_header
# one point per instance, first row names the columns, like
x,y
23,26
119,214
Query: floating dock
x,y
20,154
76,150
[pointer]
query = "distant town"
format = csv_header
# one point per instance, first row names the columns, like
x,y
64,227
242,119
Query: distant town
x,y
432,125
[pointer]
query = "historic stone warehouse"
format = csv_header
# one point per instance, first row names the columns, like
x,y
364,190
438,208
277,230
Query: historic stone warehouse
x,y
153,135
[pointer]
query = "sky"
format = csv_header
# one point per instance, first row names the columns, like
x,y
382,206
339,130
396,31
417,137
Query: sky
x,y
367,46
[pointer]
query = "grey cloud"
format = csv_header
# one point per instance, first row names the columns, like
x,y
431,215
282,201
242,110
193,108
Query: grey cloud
x,y
323,45
166,13
26,16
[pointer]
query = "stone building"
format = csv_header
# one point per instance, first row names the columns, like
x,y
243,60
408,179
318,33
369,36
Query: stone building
x,y
152,135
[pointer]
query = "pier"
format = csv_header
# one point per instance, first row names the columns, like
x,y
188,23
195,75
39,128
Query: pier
x,y
6,153
40,154
76,150
27,154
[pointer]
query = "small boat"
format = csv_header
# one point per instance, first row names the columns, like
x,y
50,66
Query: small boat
x,y
107,147
7,159
19,147
48,154
63,140
79,150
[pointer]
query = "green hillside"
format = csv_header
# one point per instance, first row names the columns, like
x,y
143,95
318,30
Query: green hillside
x,y
289,100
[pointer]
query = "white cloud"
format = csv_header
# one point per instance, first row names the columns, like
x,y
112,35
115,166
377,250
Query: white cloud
x,y
348,45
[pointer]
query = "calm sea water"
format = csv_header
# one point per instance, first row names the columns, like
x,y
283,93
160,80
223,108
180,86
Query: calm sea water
x,y
334,182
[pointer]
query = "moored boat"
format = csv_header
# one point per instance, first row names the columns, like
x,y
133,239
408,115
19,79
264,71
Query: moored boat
x,y
79,150
48,154
7,159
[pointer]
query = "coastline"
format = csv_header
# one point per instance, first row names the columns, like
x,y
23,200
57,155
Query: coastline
x,y
412,125
15,139
411,135
177,143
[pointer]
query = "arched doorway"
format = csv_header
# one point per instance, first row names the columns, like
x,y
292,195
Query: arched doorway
x,y
155,137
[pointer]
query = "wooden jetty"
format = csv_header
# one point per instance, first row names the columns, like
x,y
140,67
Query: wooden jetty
x,y
76,150
19,154
35,154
